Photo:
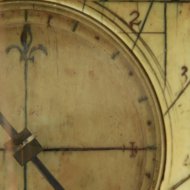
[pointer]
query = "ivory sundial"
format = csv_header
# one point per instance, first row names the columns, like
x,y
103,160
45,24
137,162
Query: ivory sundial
x,y
86,96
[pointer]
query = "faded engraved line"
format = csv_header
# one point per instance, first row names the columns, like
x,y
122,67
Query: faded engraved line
x,y
143,24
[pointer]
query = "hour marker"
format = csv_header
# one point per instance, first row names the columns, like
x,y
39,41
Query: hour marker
x,y
131,73
187,161
26,15
142,99
115,55
49,20
148,175
75,26
97,38
149,122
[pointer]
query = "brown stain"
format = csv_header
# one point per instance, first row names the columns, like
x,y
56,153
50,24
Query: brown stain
x,y
149,123
97,38
87,180
92,75
131,73
183,11
70,72
113,186
68,121
2,15
148,175
33,113
69,167
82,179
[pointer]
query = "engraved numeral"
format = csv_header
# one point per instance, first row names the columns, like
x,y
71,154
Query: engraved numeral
x,y
135,20
184,70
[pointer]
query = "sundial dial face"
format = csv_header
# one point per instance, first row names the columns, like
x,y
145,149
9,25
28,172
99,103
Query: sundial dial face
x,y
89,98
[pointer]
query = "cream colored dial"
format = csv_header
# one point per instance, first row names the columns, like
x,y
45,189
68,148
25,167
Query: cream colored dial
x,y
83,95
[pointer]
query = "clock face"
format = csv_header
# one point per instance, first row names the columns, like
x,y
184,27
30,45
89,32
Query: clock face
x,y
87,108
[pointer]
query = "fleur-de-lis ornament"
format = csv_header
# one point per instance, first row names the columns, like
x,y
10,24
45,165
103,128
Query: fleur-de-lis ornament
x,y
26,52
26,56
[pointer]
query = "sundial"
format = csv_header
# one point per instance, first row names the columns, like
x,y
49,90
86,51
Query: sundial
x,y
94,95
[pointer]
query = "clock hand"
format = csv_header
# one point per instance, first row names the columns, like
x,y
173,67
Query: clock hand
x,y
55,184
26,148
8,128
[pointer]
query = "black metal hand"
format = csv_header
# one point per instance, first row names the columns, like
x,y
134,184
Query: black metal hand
x,y
42,168
7,127
54,183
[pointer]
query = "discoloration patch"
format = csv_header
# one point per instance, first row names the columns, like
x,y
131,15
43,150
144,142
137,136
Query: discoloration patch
x,y
70,72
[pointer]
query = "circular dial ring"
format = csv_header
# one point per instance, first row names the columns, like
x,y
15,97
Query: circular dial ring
x,y
112,112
